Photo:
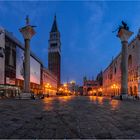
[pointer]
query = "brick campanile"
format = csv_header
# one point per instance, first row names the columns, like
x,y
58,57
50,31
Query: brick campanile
x,y
54,52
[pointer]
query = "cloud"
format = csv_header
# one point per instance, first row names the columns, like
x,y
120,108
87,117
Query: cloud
x,y
22,8
95,21
96,26
86,49
98,31
97,11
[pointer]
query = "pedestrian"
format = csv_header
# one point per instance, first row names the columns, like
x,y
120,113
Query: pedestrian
x,y
32,96
121,97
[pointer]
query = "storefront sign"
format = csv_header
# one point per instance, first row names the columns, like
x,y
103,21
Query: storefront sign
x,y
10,81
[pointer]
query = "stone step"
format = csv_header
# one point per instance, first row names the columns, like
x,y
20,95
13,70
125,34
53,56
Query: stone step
x,y
126,97
26,96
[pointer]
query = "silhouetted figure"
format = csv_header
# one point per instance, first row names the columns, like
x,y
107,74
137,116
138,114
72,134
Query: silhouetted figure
x,y
42,97
120,97
32,96
125,25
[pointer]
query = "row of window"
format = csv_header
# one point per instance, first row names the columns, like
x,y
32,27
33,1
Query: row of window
x,y
54,35
113,69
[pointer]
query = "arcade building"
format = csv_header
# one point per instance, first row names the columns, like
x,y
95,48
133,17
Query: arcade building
x,y
112,74
92,87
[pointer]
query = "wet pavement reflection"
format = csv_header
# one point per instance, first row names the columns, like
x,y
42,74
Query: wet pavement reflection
x,y
70,117
51,103
114,104
65,99
105,101
96,100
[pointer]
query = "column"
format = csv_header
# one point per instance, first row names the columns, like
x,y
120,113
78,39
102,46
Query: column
x,y
124,35
27,33
124,68
27,66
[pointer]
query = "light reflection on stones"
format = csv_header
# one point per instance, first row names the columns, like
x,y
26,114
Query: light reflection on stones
x,y
49,102
114,104
96,100
65,99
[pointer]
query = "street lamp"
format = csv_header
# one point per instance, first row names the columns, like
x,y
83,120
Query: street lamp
x,y
114,87
65,85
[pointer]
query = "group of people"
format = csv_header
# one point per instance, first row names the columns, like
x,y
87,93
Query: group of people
x,y
39,96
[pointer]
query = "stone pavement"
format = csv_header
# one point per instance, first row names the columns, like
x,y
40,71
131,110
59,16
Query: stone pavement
x,y
69,117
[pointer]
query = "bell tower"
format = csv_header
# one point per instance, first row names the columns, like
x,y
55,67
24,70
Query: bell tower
x,y
54,52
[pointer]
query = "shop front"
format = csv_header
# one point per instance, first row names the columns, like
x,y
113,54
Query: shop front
x,y
8,91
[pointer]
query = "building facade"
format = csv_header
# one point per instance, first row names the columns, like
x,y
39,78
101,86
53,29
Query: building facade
x,y
91,87
12,67
73,87
112,74
49,83
99,78
54,52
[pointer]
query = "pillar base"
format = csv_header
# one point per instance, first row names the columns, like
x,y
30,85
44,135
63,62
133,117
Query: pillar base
x,y
26,96
139,94
123,96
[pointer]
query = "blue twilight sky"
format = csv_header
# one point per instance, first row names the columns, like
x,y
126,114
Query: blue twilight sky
x,y
88,43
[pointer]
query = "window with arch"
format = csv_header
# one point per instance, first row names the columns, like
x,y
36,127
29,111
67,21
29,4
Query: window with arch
x,y
115,70
130,61
131,91
135,90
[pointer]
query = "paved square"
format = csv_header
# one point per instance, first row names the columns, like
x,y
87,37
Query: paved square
x,y
69,117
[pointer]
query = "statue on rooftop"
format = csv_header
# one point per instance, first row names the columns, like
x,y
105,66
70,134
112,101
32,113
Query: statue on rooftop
x,y
123,26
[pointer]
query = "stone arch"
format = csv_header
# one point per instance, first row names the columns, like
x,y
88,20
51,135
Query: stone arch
x,y
135,90
89,89
131,91
115,70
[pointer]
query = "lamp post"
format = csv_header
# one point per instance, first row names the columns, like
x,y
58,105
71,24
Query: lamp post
x,y
27,32
124,34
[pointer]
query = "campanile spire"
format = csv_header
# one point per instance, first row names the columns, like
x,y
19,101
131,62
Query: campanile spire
x,y
54,52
